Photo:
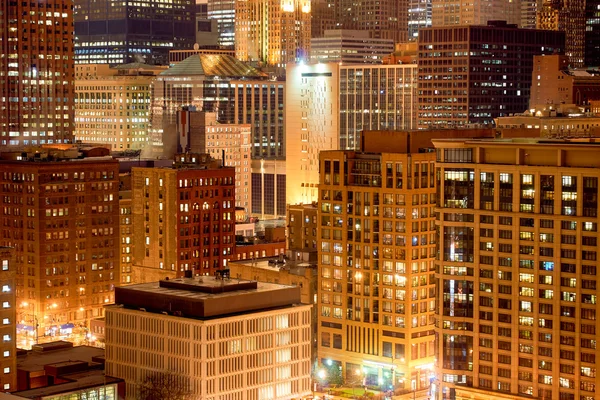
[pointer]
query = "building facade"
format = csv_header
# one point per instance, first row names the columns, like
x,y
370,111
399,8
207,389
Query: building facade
x,y
37,72
268,188
273,33
238,93
490,68
328,105
223,11
112,105
251,342
349,47
184,216
377,239
199,132
516,270
129,31
592,34
479,12
568,17
10,319
60,214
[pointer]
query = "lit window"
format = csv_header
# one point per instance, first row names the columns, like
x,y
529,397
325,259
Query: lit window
x,y
5,288
6,338
6,353
7,386
7,370
5,304
5,321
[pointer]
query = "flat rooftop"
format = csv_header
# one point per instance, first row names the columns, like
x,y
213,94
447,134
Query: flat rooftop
x,y
206,297
56,354
293,267
77,381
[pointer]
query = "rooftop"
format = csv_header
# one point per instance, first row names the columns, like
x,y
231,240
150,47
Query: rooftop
x,y
76,382
220,65
57,353
292,267
206,297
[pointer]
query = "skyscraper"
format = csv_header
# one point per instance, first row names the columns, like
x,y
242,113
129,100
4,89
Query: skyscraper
x,y
376,256
327,107
478,12
36,72
592,33
569,17
274,32
517,269
384,19
119,32
489,68
223,11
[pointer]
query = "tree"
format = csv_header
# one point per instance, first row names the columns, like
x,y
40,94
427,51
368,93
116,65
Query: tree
x,y
164,386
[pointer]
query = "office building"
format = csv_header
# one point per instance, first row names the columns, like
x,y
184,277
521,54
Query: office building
x,y
516,271
238,93
268,188
10,319
387,19
219,337
553,81
36,66
108,32
273,33
419,17
479,12
183,216
377,245
529,10
283,271
322,18
486,84
58,370
592,34
328,105
199,132
60,214
112,105
349,47
568,17
223,12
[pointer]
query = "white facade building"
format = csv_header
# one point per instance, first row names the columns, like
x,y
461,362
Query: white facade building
x,y
327,107
222,339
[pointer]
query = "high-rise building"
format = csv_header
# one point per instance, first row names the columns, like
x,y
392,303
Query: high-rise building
x,y
592,34
517,269
377,239
109,32
36,73
349,47
10,319
273,33
419,17
238,93
60,214
223,11
216,337
386,19
569,17
529,10
322,17
327,107
184,216
199,132
480,12
490,69
112,105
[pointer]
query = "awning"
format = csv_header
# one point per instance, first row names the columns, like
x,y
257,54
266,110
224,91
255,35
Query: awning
x,y
24,327
67,326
